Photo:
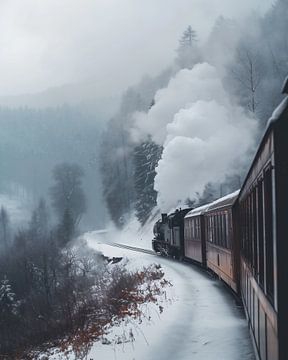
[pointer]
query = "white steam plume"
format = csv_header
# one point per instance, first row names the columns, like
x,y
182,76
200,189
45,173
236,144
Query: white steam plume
x,y
205,136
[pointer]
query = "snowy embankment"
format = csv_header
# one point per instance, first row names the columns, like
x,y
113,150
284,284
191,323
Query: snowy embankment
x,y
131,335
195,318
132,234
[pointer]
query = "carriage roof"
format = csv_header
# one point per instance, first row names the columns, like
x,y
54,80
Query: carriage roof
x,y
224,201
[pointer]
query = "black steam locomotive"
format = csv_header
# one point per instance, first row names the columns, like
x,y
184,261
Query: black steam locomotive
x,y
243,238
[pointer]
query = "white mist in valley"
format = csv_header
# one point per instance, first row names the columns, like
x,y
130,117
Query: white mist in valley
x,y
205,135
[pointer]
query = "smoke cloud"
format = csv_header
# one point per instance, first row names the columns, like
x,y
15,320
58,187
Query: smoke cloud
x,y
110,43
204,134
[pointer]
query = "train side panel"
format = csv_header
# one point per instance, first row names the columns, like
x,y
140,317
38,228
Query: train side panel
x,y
258,210
281,225
194,239
220,245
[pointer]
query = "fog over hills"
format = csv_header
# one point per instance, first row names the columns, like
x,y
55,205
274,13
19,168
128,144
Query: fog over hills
x,y
85,94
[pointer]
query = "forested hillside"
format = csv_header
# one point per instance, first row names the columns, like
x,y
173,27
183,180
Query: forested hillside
x,y
249,60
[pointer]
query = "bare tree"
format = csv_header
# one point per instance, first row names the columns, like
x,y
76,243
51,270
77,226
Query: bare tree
x,y
248,73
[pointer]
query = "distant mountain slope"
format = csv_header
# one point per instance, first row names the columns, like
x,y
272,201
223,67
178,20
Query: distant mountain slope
x,y
85,94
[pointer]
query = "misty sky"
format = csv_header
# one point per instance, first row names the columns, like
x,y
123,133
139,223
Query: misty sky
x,y
47,43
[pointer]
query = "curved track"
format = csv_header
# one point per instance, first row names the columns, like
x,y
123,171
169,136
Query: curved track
x,y
132,248
204,322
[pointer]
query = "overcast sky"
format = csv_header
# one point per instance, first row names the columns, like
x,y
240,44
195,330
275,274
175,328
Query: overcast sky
x,y
46,43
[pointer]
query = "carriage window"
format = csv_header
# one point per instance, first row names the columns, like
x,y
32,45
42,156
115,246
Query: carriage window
x,y
212,229
250,219
248,237
220,240
269,233
260,234
207,229
192,229
216,229
244,230
198,228
255,224
219,230
224,230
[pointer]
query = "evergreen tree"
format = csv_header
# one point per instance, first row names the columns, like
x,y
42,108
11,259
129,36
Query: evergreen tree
x,y
4,228
117,149
39,221
146,158
8,314
66,228
188,38
116,170
8,303
67,193
188,53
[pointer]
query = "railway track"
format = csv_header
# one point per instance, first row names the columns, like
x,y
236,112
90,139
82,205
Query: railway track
x,y
133,248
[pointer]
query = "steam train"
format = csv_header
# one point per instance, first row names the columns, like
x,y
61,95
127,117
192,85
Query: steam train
x,y
243,239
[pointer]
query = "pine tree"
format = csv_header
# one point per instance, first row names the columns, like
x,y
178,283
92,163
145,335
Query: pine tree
x,y
39,221
146,158
67,192
188,53
4,228
8,303
189,37
66,229
8,314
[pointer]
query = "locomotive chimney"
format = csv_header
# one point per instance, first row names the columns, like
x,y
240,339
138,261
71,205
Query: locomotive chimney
x,y
164,217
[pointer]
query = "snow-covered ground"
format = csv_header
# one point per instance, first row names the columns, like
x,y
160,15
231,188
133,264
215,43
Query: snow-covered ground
x,y
132,234
200,319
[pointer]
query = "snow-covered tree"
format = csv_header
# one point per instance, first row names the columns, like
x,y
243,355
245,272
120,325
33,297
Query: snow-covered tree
x,y
8,302
117,150
146,158
8,314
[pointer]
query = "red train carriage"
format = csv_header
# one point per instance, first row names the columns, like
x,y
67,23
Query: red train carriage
x,y
222,250
244,239
194,235
263,204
